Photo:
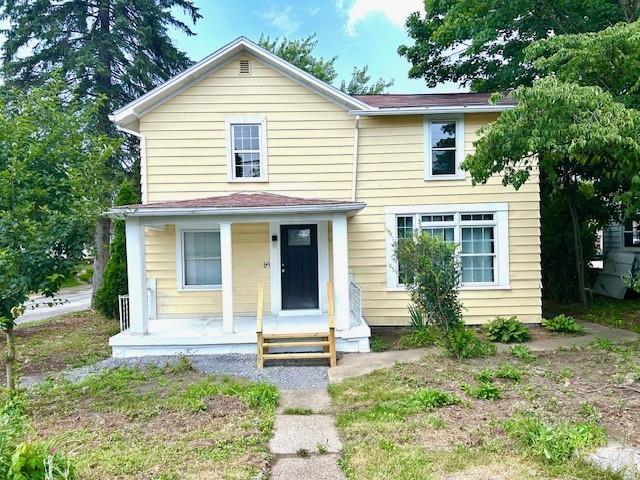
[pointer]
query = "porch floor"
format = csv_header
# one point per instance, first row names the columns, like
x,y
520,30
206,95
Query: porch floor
x,y
201,336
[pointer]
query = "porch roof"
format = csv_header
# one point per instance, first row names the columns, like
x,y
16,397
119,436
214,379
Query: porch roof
x,y
249,203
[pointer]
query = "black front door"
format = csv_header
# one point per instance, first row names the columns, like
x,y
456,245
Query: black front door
x,y
299,258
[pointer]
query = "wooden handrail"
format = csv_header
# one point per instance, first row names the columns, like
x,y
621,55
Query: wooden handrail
x,y
332,325
259,337
330,305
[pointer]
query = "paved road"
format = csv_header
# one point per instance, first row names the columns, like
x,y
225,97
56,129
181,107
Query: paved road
x,y
76,299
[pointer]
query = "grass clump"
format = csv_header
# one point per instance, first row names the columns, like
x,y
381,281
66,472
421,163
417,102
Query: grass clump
x,y
563,324
377,344
303,453
483,391
462,343
507,330
506,371
554,443
430,398
522,352
297,411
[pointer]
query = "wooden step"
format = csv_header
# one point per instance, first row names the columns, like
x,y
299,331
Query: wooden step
x,y
269,336
295,356
293,343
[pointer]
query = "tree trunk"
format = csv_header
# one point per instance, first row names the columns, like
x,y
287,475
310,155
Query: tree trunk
x,y
101,241
579,255
10,358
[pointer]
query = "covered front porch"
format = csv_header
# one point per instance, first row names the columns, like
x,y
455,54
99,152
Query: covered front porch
x,y
194,270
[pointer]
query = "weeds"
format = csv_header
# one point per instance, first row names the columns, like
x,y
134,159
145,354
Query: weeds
x,y
522,352
507,330
303,453
462,343
563,324
377,344
483,391
297,411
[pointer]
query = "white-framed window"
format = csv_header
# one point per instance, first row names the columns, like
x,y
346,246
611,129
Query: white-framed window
x,y
481,233
631,234
444,147
247,149
199,260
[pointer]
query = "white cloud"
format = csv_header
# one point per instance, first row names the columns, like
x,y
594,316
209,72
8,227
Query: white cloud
x,y
284,19
396,11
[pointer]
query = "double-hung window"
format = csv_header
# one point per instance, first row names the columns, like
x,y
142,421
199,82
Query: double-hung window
x,y
481,238
631,234
246,149
444,147
201,259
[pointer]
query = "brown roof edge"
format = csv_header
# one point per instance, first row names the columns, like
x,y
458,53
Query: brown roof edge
x,y
400,100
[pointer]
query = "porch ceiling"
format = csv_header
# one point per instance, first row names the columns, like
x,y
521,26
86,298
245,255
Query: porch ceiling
x,y
238,203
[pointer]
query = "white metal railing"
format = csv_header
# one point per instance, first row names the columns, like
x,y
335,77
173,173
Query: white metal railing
x,y
355,303
123,310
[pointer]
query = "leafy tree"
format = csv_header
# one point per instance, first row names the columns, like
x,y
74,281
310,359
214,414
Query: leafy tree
x,y
300,53
115,273
576,135
480,43
51,189
104,48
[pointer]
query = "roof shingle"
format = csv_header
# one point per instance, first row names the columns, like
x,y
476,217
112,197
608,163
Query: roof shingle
x,y
430,100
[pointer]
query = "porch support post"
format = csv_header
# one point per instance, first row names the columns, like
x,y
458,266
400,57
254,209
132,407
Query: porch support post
x,y
136,274
226,253
341,271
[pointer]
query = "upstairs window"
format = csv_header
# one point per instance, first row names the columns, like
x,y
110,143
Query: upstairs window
x,y
247,155
444,145
631,234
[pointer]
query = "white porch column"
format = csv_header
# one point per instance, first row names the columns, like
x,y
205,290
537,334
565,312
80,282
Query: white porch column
x,y
136,273
341,271
226,253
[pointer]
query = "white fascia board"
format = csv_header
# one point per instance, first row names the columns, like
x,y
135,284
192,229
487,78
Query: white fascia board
x,y
162,93
163,212
432,110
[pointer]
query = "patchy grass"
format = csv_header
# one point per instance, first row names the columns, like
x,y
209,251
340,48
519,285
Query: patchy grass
x,y
569,400
297,411
162,423
67,341
606,311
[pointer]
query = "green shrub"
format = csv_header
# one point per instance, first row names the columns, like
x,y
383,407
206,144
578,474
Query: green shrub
x,y
114,281
431,273
377,344
483,391
563,324
506,330
36,461
429,398
554,443
420,338
261,395
522,352
463,343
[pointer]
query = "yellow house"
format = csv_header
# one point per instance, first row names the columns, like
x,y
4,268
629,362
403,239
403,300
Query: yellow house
x,y
256,173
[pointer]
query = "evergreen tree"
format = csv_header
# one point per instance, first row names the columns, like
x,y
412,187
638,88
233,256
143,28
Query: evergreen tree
x,y
115,49
115,273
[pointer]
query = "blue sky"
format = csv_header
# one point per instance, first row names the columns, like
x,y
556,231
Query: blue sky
x,y
360,32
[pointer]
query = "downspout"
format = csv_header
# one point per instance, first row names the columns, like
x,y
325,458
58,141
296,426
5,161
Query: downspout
x,y
143,160
354,173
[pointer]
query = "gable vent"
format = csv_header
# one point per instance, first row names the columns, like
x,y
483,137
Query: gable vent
x,y
245,67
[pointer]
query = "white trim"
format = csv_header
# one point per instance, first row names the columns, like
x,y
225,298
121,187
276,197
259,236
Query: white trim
x,y
274,268
372,112
162,212
354,172
136,276
341,272
323,263
226,252
264,154
459,152
300,312
180,230
501,241
167,90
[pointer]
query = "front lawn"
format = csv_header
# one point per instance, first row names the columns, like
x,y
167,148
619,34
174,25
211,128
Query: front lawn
x,y
493,418
161,423
67,341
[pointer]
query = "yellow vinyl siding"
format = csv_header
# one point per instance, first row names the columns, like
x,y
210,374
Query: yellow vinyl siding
x,y
250,251
310,153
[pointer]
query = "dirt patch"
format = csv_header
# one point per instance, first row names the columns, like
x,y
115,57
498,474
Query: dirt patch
x,y
223,406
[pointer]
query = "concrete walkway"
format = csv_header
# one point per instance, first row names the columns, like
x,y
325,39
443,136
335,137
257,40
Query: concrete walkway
x,y
306,447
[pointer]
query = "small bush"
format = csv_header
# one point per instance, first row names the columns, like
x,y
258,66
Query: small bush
x,y
431,273
554,443
483,391
463,343
35,461
429,399
522,352
563,324
507,330
377,344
